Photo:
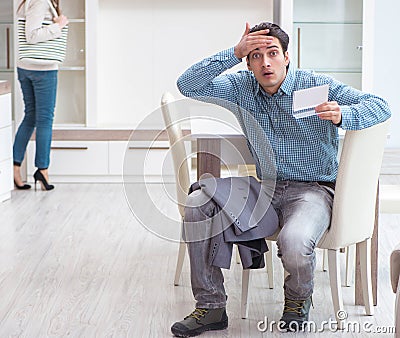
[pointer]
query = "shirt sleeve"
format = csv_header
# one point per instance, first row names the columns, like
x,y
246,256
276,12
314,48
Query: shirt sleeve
x,y
35,31
204,78
359,110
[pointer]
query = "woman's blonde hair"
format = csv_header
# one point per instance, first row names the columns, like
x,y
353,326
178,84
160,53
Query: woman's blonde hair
x,y
55,3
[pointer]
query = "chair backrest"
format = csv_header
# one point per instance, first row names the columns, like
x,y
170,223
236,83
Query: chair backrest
x,y
178,150
247,170
353,213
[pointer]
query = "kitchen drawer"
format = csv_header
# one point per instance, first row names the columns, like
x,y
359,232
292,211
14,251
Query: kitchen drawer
x,y
5,143
116,156
141,158
6,178
5,110
74,158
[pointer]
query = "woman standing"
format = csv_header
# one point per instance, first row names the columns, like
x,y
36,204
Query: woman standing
x,y
38,79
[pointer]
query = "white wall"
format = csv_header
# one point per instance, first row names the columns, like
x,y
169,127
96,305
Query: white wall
x,y
386,61
144,45
157,39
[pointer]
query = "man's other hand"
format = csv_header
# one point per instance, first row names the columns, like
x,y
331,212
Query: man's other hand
x,y
329,111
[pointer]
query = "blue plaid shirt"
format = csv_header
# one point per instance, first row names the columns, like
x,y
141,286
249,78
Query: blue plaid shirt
x,y
291,149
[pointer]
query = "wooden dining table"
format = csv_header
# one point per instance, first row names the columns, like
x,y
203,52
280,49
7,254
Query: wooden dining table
x,y
212,150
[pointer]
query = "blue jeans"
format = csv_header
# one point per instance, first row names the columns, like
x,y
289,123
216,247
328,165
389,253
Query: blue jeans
x,y
304,210
39,89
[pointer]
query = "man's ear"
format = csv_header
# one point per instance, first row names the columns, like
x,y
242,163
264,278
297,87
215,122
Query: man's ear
x,y
287,59
248,63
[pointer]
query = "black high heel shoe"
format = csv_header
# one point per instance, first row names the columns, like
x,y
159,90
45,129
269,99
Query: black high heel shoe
x,y
22,187
38,176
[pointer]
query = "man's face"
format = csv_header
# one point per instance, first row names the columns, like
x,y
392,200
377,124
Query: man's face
x,y
269,65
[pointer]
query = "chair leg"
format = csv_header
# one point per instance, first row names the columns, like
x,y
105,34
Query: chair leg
x,y
245,293
270,268
336,286
324,259
179,262
350,260
366,281
397,312
285,274
237,255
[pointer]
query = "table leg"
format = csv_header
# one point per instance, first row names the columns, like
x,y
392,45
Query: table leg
x,y
208,157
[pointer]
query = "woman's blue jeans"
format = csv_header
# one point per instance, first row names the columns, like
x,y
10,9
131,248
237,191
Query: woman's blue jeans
x,y
39,89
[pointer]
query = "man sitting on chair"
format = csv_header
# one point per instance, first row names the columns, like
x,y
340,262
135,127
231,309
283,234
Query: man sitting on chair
x,y
305,151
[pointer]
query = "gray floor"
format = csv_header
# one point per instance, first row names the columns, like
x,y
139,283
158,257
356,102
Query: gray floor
x,y
76,262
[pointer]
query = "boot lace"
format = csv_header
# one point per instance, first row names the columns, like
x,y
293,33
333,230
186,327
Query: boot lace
x,y
198,313
293,306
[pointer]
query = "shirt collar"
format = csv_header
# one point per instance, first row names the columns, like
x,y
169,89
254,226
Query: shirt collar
x,y
287,85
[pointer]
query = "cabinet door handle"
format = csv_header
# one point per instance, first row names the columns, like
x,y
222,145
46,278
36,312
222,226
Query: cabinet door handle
x,y
298,47
149,148
69,148
8,47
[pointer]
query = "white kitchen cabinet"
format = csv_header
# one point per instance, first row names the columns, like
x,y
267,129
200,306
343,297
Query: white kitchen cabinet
x,y
103,161
151,160
6,37
6,183
7,42
76,104
5,141
77,91
73,160
117,151
317,51
332,37
6,172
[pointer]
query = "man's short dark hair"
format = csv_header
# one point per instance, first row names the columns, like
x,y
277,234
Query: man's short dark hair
x,y
274,30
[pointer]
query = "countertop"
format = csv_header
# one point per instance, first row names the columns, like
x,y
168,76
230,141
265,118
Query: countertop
x,y
5,87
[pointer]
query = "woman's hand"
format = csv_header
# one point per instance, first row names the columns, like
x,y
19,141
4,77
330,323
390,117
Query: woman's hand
x,y
62,20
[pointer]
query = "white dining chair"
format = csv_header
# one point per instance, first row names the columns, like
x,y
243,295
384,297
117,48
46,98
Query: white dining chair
x,y
181,169
182,178
353,212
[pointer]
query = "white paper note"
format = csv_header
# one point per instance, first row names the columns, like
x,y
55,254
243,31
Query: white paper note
x,y
305,100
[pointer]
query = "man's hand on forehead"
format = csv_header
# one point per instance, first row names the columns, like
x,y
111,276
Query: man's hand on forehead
x,y
251,41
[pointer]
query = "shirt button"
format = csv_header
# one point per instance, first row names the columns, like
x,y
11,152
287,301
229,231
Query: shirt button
x,y
275,120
